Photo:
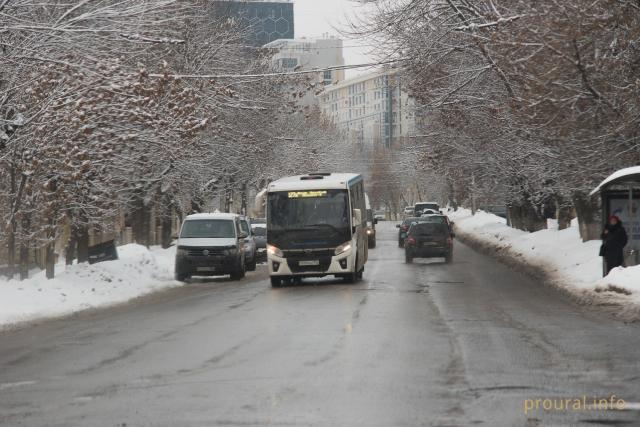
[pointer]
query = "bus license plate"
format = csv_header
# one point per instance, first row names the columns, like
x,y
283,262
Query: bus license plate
x,y
308,263
206,269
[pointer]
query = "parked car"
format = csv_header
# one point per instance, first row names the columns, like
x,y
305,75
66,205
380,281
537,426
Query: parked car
x,y
260,238
210,245
250,249
428,240
421,206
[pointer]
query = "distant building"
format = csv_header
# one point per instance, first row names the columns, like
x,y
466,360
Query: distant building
x,y
266,20
371,108
308,54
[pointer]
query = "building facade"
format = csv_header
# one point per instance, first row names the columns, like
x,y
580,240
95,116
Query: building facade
x,y
306,54
371,108
265,21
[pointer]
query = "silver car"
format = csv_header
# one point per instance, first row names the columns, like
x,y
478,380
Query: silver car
x,y
259,229
250,250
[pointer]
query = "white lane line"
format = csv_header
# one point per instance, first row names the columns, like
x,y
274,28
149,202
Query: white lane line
x,y
4,386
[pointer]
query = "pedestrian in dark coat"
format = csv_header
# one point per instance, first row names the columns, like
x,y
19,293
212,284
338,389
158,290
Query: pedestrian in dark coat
x,y
614,239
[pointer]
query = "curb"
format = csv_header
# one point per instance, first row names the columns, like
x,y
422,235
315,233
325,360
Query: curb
x,y
612,303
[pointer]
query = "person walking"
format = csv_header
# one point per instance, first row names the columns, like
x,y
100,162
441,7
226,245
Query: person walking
x,y
614,239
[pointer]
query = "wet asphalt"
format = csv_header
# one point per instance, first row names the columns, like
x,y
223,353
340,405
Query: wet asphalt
x,y
433,344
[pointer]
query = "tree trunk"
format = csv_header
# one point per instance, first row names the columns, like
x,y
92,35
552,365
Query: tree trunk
x,y
166,211
563,214
83,243
24,248
588,213
72,244
11,249
50,260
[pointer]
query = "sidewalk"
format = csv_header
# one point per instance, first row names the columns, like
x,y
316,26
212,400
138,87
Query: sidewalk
x,y
137,272
558,257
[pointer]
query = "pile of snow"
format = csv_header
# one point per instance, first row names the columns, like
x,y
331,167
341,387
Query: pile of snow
x,y
571,262
138,271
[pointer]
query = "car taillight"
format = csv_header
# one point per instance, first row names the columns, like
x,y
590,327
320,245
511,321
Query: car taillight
x,y
449,241
405,227
411,241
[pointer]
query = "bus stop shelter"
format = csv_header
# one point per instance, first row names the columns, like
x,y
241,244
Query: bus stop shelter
x,y
620,196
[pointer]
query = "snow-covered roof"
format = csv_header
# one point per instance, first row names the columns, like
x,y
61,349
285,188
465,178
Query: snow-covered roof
x,y
618,176
330,182
212,216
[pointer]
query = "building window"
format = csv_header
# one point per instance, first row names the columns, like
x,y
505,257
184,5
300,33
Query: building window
x,y
288,63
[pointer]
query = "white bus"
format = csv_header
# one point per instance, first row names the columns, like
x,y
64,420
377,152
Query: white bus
x,y
316,227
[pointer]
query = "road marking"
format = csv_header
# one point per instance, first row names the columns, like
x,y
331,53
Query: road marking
x,y
4,386
631,406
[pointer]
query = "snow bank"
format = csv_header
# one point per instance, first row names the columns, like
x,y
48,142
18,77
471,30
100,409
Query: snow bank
x,y
139,271
561,254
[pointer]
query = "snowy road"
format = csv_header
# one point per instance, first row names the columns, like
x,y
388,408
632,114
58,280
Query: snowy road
x,y
422,344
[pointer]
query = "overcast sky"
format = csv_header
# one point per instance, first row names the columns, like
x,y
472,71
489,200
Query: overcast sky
x,y
313,18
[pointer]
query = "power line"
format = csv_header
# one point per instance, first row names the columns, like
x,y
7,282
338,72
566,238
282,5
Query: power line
x,y
281,73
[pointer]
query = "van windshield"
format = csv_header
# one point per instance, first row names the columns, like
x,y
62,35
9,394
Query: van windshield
x,y
208,228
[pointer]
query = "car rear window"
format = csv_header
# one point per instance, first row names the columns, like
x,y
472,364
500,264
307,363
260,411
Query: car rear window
x,y
428,229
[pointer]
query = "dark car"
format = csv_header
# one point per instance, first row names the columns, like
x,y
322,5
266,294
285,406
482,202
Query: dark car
x,y
260,237
403,229
429,240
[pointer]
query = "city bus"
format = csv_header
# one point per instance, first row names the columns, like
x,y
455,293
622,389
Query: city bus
x,y
316,226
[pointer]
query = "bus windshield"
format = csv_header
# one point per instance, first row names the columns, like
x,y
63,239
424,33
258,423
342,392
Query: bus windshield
x,y
308,218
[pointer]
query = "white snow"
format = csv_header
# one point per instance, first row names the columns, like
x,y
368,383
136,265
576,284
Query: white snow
x,y
137,272
571,263
634,170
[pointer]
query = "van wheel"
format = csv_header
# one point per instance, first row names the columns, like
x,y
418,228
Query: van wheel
x,y
239,274
182,277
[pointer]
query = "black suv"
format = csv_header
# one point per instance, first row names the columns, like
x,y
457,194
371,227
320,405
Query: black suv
x,y
427,240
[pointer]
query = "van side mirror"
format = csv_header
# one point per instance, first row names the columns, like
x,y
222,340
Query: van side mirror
x,y
242,235
375,220
357,217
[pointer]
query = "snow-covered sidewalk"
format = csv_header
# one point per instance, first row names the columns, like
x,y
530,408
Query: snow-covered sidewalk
x,y
137,272
570,264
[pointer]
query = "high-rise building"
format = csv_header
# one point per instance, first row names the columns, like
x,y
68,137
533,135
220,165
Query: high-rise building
x,y
265,20
307,54
371,109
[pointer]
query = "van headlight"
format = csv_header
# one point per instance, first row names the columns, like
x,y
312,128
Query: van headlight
x,y
343,248
274,251
182,252
230,251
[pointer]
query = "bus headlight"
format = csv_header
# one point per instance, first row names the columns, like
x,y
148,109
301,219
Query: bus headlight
x,y
275,251
343,248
